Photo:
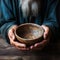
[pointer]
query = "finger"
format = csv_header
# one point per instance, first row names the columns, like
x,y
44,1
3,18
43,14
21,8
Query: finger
x,y
31,47
46,31
20,46
41,44
12,38
38,45
45,35
17,44
35,48
11,35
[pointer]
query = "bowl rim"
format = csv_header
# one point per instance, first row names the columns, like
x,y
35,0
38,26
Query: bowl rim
x,y
29,24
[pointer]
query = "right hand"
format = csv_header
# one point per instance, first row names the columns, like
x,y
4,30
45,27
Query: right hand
x,y
13,41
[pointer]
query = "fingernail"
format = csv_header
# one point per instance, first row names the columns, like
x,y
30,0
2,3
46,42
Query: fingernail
x,y
35,45
31,47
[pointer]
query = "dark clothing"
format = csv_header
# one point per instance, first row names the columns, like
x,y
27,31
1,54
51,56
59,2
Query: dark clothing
x,y
12,15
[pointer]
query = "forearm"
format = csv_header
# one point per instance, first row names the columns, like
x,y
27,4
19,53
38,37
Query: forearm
x,y
4,29
51,18
8,19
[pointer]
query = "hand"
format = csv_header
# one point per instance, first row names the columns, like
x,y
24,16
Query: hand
x,y
13,41
43,43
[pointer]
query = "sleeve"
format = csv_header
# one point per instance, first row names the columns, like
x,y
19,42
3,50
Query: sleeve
x,y
7,18
50,16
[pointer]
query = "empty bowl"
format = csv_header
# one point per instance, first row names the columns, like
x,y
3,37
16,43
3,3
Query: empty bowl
x,y
29,33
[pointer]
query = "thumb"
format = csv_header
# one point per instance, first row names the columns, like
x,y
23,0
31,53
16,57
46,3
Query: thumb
x,y
11,34
45,35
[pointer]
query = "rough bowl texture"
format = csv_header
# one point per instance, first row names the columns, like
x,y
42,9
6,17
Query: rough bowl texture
x,y
29,33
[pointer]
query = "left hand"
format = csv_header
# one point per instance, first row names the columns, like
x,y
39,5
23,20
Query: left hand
x,y
43,43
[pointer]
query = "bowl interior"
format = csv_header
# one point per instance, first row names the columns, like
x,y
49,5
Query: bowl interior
x,y
29,31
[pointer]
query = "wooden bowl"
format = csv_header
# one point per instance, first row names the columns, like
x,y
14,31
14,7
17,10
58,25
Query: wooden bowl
x,y
29,33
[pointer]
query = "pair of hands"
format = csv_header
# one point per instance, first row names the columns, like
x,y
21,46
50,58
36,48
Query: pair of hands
x,y
36,46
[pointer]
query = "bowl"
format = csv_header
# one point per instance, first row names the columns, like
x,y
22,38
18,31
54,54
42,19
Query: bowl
x,y
29,33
